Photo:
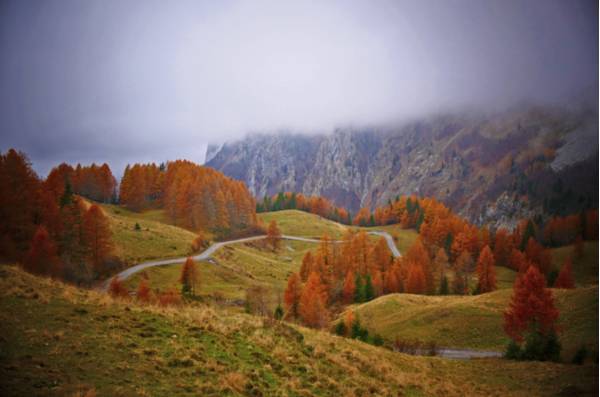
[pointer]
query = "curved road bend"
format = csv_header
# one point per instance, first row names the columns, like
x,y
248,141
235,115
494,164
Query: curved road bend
x,y
204,255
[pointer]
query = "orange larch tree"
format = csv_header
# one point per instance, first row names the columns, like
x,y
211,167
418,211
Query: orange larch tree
x,y
117,289
416,283
312,307
531,308
417,254
485,271
18,204
42,258
273,235
307,266
189,277
144,293
349,287
97,237
292,295
565,277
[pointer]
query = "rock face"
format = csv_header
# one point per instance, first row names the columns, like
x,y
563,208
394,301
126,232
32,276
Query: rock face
x,y
491,169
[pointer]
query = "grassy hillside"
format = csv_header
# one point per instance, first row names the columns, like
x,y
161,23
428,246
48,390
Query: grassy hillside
x,y
404,238
300,223
585,269
58,340
475,321
235,268
156,239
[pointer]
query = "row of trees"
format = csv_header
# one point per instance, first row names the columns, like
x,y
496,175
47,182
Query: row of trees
x,y
94,182
442,227
296,201
194,197
47,227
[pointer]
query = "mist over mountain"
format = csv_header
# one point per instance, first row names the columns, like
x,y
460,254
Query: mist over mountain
x,y
138,81
492,168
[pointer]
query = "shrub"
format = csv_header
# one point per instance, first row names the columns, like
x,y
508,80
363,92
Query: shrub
x,y
432,349
169,298
137,227
340,328
117,289
537,346
199,243
513,351
377,340
580,355
278,312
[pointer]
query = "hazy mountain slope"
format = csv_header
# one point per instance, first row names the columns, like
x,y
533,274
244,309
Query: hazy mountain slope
x,y
496,167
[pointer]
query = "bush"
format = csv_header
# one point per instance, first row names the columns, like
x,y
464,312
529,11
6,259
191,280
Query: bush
x,y
537,347
377,340
432,349
137,227
552,276
278,315
169,298
117,289
340,328
580,355
199,243
513,351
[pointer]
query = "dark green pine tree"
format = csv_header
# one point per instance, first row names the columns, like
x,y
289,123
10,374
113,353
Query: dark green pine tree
x,y
359,291
356,330
444,289
67,197
371,220
369,293
267,204
529,232
420,220
448,243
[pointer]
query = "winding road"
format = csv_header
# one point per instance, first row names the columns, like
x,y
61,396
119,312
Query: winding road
x,y
204,255
456,354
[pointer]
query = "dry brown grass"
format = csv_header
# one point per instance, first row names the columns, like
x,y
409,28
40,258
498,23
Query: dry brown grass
x,y
203,350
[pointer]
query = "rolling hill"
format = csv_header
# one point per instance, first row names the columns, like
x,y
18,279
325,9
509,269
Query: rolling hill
x,y
155,239
475,322
79,341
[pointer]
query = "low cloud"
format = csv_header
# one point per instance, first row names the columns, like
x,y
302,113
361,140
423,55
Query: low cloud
x,y
127,81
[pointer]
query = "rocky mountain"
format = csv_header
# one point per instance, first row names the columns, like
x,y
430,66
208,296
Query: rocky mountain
x,y
493,168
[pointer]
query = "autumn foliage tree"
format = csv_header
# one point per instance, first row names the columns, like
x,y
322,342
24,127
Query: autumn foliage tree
x,y
312,307
307,266
42,258
416,283
349,287
273,235
532,314
292,295
565,277
485,271
18,204
117,289
97,237
144,293
188,278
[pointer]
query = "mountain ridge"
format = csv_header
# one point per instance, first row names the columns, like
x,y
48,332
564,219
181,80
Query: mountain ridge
x,y
490,168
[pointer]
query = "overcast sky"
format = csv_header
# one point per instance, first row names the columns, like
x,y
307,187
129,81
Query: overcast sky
x,y
128,81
